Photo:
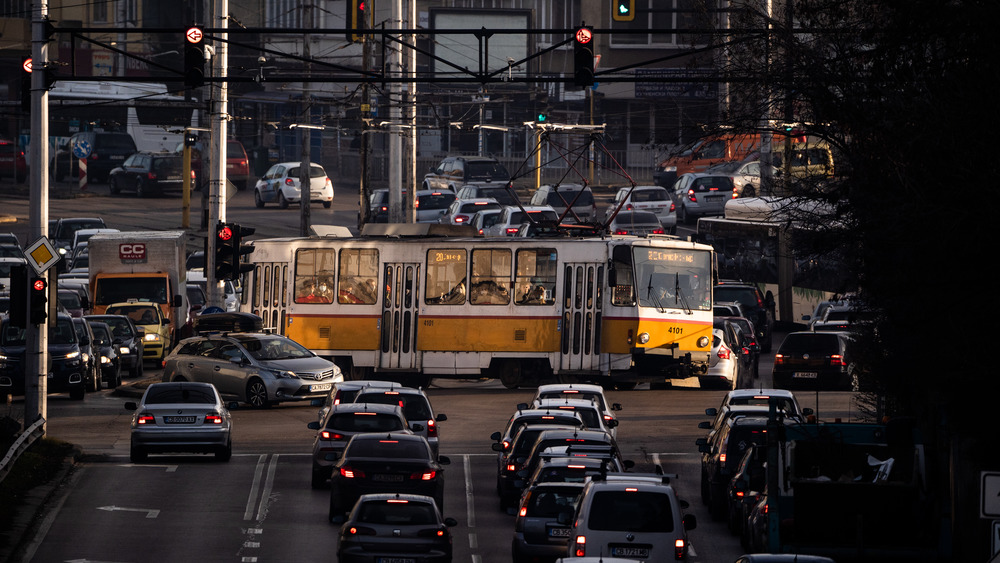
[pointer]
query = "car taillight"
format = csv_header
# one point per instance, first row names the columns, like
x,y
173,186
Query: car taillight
x,y
145,419
691,196
433,533
151,175
512,231
580,549
327,435
837,360
657,232
360,531
349,473
679,549
423,475
779,359
724,352
462,218
736,194
213,419
621,232
432,429
511,467
673,207
628,207
289,182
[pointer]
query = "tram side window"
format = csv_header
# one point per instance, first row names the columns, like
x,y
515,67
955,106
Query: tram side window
x,y
490,277
314,275
446,276
358,281
621,280
535,280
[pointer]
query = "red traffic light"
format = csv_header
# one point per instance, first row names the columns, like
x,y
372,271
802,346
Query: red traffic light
x,y
361,5
39,284
584,35
225,233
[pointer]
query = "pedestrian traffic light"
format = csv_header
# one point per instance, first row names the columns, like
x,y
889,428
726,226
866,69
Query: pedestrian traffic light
x,y
357,19
241,250
583,56
623,10
542,117
38,290
18,312
224,251
194,58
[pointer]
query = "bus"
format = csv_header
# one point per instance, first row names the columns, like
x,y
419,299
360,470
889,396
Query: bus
x,y
765,241
403,301
151,113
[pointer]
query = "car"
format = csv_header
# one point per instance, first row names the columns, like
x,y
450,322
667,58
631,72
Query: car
x,y
345,391
180,417
108,150
196,297
727,309
484,219
70,301
453,172
237,164
12,161
538,533
416,408
280,184
749,335
636,223
590,411
745,175
745,488
82,236
784,399
11,251
525,416
64,230
653,199
701,194
560,196
149,174
90,352
729,364
814,360
585,391
230,293
503,193
722,454
429,205
107,353
259,369
158,337
129,340
511,218
67,369
382,527
642,509
385,462
514,457
342,422
755,304
460,211
559,441
569,464
836,318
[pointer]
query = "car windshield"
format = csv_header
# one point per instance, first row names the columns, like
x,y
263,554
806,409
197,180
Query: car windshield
x,y
518,217
62,332
12,335
68,228
70,300
812,343
485,171
168,394
563,198
631,511
364,422
650,195
314,172
784,403
551,502
112,290
500,194
101,335
713,183
119,326
397,512
745,296
140,314
388,448
273,348
435,200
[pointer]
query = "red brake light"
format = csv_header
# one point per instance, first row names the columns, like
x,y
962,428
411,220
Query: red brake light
x,y
151,175
432,430
779,359
581,546
511,230
289,182
621,232
837,360
145,419
679,549
349,473
424,475
724,352
461,218
213,419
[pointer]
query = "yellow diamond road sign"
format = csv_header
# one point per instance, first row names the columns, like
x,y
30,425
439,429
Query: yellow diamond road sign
x,y
41,255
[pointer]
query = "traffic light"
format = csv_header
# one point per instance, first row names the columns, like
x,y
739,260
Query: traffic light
x,y
224,265
26,86
240,250
194,58
357,19
623,10
583,56
18,296
542,116
38,298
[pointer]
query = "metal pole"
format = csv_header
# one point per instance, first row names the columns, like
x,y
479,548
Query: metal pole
x,y
395,132
217,175
305,178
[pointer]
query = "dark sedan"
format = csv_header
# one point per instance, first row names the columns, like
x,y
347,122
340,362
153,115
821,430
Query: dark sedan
x,y
390,462
148,173
68,370
396,527
128,338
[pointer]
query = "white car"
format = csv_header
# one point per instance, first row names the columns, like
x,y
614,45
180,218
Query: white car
x,y
512,217
586,391
281,185
460,211
654,199
588,410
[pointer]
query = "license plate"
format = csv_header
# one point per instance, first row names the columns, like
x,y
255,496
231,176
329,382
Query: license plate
x,y
805,375
629,552
395,560
713,198
321,387
116,157
179,419
387,478
558,532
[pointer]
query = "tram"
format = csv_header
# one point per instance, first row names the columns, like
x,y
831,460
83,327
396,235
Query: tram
x,y
414,302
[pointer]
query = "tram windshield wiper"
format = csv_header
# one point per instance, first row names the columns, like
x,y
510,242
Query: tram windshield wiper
x,y
679,296
650,294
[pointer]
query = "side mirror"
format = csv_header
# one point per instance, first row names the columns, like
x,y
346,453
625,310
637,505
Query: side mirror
x,y
441,417
313,425
495,436
701,442
711,412
629,464
616,406
140,331
444,460
131,406
176,301
808,411
450,522
705,425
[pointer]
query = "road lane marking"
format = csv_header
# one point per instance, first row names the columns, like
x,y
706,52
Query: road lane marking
x,y
150,512
252,500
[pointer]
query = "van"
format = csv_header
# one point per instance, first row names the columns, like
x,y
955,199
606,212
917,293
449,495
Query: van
x,y
560,196
698,156
808,160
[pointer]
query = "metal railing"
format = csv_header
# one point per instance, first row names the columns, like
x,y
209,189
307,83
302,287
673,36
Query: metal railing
x,y
30,435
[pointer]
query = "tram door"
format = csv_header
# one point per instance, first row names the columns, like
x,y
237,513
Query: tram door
x,y
581,335
270,295
398,325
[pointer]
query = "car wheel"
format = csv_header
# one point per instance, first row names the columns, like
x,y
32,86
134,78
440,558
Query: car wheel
x,y
257,394
225,453
282,202
327,204
136,454
114,186
257,200
95,379
749,191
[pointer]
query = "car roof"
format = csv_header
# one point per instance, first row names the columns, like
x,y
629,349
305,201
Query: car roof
x,y
365,407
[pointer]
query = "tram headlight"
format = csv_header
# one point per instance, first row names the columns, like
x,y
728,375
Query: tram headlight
x,y
643,337
703,342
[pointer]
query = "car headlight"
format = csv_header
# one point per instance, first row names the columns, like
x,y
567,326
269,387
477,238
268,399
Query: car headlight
x,y
86,356
151,337
283,374
124,350
105,360
73,354
670,169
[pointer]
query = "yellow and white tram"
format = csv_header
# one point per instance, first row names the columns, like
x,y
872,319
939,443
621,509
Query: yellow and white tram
x,y
413,306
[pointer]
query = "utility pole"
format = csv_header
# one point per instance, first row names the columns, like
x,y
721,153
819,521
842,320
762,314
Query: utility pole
x,y
305,178
395,131
217,175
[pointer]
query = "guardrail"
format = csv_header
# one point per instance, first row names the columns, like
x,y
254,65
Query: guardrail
x,y
29,436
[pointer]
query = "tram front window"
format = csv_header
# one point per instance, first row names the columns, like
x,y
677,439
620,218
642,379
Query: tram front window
x,y
673,279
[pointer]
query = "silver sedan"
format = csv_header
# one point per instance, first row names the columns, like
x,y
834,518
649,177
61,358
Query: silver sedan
x,y
180,417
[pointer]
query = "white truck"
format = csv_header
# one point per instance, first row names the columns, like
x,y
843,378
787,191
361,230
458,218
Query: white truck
x,y
141,266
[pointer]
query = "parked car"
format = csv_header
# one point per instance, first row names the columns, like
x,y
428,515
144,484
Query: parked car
x,y
391,462
67,371
511,218
814,360
12,161
342,422
180,417
755,305
453,172
281,185
237,164
108,150
654,199
382,526
560,196
129,340
149,174
636,223
701,194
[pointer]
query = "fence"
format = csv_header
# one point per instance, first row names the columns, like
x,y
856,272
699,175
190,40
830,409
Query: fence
x,y
22,443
